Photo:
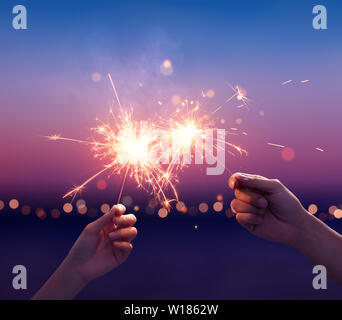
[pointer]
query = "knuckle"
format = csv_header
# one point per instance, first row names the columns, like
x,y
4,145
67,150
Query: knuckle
x,y
88,228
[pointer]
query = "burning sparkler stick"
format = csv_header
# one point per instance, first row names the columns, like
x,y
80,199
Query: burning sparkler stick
x,y
137,149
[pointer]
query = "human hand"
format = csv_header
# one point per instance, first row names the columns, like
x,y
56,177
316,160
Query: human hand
x,y
266,208
103,245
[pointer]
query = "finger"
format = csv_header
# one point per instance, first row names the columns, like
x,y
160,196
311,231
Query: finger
x,y
249,218
119,211
122,249
249,196
239,206
244,180
96,226
125,234
127,220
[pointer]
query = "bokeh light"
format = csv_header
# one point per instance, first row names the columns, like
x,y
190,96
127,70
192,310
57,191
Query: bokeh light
x,y
80,203
162,213
166,68
288,154
55,213
218,206
105,208
136,208
2,204
13,204
82,210
127,201
101,184
180,206
153,203
210,93
338,214
96,77
219,197
203,207
332,209
313,209
25,210
40,213
67,207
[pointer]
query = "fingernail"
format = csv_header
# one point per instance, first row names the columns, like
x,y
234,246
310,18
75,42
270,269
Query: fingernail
x,y
262,203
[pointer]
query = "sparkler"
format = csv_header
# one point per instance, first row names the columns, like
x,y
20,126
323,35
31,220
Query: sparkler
x,y
240,94
141,150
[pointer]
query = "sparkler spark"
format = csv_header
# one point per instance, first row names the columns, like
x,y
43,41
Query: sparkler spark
x,y
240,94
142,150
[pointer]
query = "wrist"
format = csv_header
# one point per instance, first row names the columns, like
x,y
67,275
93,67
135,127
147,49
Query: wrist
x,y
303,229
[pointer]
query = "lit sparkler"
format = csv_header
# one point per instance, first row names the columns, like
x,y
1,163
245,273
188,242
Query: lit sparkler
x,y
142,152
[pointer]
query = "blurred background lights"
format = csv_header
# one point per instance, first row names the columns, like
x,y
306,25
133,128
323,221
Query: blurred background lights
x,y
13,204
127,201
55,213
313,209
175,100
162,213
2,204
166,68
25,210
136,208
203,207
82,209
180,206
67,207
219,197
105,208
332,209
210,93
40,213
238,121
288,154
101,184
192,211
96,77
218,206
338,214
153,203
80,203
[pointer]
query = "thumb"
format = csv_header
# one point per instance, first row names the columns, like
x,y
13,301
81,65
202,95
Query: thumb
x,y
116,211
250,181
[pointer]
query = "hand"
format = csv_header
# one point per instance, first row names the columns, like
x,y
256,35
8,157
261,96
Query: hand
x,y
266,208
103,245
